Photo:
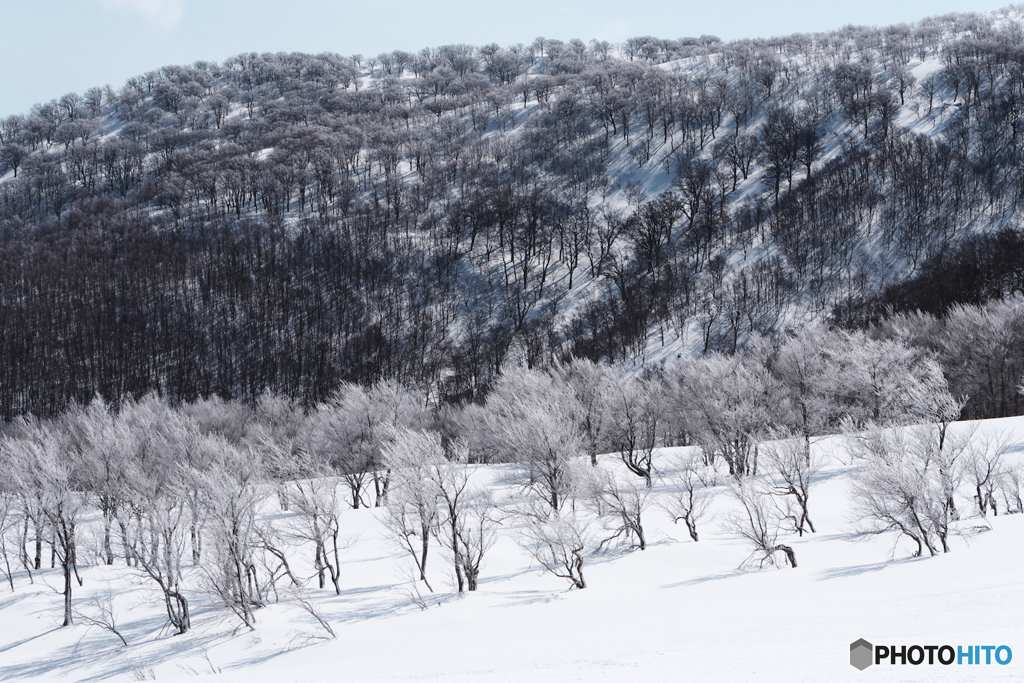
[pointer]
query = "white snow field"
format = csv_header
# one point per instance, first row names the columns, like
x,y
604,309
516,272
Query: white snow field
x,y
677,611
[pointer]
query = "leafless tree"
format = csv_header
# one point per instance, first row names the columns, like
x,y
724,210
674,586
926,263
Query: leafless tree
x,y
625,503
235,492
1011,484
729,406
44,463
467,514
689,496
797,469
635,407
759,522
558,540
315,497
100,614
536,421
592,385
411,507
985,467
10,520
906,484
157,543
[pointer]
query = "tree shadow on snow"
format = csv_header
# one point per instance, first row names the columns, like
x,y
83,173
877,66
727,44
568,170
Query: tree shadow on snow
x,y
696,581
858,569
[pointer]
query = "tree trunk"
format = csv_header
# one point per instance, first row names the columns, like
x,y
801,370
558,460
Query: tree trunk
x,y
67,592
790,555
177,611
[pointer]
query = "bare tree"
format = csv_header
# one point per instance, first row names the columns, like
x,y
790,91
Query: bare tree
x,y
467,514
759,522
729,405
390,405
806,368
906,485
337,435
592,384
101,614
689,497
318,522
105,445
1011,484
9,521
157,543
797,469
535,421
275,431
623,502
44,463
635,407
411,507
235,491
558,541
985,468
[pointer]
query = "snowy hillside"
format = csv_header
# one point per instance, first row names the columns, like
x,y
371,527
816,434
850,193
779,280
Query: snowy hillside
x,y
429,217
530,363
678,610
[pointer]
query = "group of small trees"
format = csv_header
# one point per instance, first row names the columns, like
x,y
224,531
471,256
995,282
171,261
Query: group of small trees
x,y
181,491
910,478
431,496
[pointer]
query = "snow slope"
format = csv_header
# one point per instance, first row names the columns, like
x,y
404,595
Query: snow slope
x,y
677,611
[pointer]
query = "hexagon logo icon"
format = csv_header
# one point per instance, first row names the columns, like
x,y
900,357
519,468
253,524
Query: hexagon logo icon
x,y
861,654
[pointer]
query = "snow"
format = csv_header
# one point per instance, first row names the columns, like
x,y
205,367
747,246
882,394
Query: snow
x,y
678,610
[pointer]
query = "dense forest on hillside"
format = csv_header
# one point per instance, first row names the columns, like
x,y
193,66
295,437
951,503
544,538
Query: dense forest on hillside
x,y
291,222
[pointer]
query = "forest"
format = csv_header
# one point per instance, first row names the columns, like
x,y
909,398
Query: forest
x,y
551,296
293,224
243,505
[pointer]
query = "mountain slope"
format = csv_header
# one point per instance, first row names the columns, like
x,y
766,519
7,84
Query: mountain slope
x,y
290,222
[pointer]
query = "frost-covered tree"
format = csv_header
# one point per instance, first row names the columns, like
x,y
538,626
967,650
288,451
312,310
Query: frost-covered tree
x,y
10,521
635,410
276,430
155,534
623,504
432,496
796,468
886,382
558,541
593,386
985,467
44,464
411,507
689,480
106,446
906,484
318,517
467,513
729,406
337,433
807,370
535,420
759,521
234,492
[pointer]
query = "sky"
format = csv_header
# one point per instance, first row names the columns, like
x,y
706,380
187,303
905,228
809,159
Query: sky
x,y
51,47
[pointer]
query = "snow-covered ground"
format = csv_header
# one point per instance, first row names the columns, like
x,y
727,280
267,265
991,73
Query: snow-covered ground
x,y
677,611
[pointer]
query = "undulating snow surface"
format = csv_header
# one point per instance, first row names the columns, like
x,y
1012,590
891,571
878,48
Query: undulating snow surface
x,y
677,611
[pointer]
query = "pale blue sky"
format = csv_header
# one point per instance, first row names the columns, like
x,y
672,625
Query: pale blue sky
x,y
50,47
